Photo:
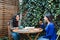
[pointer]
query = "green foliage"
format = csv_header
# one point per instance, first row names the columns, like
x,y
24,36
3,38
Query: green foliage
x,y
33,10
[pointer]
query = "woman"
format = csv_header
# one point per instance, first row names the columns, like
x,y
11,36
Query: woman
x,y
15,35
50,29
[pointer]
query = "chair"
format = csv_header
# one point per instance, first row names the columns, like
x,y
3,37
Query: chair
x,y
9,32
58,33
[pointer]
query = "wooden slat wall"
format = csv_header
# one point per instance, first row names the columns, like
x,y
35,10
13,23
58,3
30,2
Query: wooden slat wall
x,y
7,9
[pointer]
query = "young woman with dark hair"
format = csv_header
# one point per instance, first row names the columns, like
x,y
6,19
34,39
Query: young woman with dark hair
x,y
50,32
15,35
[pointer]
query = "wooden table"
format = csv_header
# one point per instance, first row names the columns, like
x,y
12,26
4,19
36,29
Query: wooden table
x,y
29,31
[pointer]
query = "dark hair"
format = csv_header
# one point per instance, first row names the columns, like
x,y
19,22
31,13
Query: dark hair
x,y
50,17
14,18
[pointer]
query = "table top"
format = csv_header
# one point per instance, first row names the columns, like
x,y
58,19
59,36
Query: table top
x,y
34,30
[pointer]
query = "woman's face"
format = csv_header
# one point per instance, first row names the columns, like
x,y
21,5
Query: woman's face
x,y
17,17
45,19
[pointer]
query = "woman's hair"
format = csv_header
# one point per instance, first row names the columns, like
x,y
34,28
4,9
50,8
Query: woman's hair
x,y
14,18
50,17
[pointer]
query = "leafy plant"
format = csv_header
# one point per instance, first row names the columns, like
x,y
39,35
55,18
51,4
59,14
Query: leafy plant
x,y
33,10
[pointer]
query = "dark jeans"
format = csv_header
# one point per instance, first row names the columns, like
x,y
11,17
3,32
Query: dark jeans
x,y
15,36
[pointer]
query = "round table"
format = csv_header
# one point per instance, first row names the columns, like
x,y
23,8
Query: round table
x,y
29,31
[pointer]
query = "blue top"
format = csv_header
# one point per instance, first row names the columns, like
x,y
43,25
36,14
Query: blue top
x,y
50,32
